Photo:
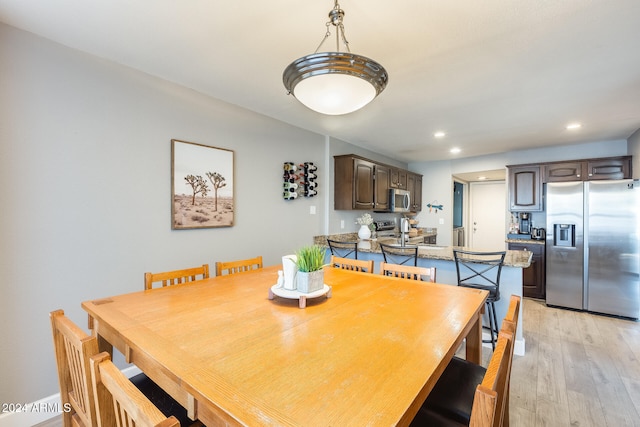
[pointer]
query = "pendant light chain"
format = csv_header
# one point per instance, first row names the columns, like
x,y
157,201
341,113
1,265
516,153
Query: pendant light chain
x,y
335,18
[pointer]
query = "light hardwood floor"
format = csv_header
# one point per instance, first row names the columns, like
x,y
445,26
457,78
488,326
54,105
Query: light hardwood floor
x,y
579,370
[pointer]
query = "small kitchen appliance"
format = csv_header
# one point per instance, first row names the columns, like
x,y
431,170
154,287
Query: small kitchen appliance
x,y
524,220
399,200
538,233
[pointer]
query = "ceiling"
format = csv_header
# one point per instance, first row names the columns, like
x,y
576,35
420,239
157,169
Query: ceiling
x,y
495,75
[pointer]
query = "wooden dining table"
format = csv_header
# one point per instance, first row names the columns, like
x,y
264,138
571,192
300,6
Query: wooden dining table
x,y
366,354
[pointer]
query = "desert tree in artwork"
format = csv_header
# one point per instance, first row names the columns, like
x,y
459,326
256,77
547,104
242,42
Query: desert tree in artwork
x,y
199,186
218,182
202,186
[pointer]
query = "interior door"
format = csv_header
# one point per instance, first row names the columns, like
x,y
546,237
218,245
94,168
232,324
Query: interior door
x,y
487,213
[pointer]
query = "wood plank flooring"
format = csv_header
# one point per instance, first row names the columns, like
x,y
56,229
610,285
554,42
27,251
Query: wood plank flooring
x,y
579,370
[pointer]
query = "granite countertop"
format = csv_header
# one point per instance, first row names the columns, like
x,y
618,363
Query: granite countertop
x,y
519,259
526,241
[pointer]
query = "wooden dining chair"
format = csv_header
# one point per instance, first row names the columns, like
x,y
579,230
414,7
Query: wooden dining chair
x,y
426,274
488,398
239,266
343,249
175,277
73,350
453,394
118,402
352,264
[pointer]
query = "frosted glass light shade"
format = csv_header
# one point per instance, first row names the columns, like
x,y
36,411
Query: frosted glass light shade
x,y
334,94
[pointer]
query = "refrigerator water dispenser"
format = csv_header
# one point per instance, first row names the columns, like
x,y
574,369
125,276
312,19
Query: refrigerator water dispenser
x,y
564,235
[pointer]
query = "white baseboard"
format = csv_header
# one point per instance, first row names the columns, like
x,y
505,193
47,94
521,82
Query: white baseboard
x,y
30,414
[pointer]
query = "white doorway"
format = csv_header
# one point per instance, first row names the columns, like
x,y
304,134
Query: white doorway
x,y
487,219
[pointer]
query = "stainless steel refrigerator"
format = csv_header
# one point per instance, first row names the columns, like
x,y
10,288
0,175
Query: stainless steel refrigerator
x,y
593,246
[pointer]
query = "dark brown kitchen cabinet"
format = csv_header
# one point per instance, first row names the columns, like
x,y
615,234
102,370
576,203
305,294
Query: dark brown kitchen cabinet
x,y
613,168
533,277
398,179
525,188
414,185
363,185
360,184
569,171
589,170
381,192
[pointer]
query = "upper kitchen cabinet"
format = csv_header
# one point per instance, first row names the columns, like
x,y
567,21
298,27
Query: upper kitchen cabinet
x,y
569,171
360,184
364,184
612,168
381,179
414,185
589,170
398,179
525,188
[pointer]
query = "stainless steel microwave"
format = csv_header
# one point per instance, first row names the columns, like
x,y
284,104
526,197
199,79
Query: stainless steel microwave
x,y
399,200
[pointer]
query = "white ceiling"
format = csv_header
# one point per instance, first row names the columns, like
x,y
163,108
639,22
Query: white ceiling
x,y
496,75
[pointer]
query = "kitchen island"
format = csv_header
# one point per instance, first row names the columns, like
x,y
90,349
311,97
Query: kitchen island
x,y
441,257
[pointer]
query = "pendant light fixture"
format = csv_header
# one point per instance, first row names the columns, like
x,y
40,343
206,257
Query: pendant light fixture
x,y
337,82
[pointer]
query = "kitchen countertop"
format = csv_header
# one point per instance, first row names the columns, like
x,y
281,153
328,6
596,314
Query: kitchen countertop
x,y
518,259
526,241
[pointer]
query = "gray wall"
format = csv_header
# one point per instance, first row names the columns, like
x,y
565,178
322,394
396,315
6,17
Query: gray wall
x,y
85,166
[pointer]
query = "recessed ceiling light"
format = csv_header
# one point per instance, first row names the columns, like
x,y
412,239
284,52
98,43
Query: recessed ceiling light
x,y
439,134
455,150
572,126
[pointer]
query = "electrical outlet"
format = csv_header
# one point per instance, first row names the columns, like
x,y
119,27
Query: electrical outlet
x,y
441,221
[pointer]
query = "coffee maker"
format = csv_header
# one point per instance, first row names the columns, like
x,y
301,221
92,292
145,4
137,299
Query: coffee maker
x,y
524,221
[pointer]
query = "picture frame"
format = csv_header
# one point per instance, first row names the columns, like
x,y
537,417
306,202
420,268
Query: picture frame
x,y
202,186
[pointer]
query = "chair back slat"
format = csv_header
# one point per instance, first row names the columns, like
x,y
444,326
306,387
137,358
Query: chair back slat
x,y
343,249
239,266
176,277
426,274
352,264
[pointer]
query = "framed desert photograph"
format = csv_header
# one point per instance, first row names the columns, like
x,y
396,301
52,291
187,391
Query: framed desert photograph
x,y
201,186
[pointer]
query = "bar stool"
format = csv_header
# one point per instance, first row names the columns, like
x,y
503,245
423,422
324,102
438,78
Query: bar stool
x,y
343,249
403,255
481,270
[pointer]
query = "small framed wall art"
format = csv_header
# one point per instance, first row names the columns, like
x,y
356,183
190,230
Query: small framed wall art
x,y
201,186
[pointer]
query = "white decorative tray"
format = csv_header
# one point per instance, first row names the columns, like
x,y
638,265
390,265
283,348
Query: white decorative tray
x,y
276,290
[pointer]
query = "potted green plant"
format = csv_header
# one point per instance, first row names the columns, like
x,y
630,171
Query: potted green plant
x,y
310,263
